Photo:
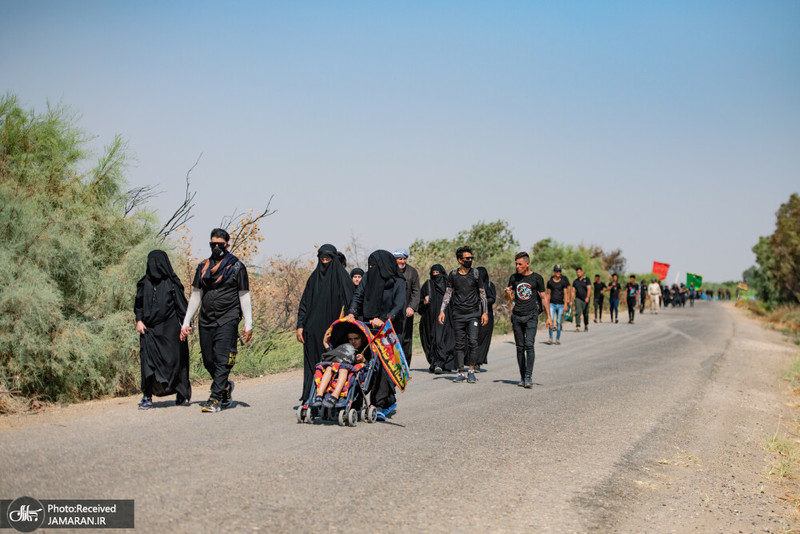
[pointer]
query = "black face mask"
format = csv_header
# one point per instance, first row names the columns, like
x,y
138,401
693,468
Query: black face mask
x,y
467,264
218,252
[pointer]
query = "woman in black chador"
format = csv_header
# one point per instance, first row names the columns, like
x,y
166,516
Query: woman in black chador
x,y
381,296
437,339
328,292
160,306
485,331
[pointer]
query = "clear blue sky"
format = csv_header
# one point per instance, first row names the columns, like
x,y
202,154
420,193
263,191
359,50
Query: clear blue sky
x,y
670,130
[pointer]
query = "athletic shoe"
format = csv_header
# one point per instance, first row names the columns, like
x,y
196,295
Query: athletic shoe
x,y
227,395
528,383
146,403
328,401
212,406
471,377
388,412
381,415
460,379
521,383
317,402
437,370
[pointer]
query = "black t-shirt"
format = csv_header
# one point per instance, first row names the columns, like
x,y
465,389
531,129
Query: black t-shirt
x,y
598,290
221,305
526,289
613,289
630,289
557,289
466,299
581,286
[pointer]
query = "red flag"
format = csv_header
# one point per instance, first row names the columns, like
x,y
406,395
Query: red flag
x,y
660,269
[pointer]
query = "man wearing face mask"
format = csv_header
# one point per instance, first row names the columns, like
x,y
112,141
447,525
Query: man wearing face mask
x,y
328,290
469,309
221,291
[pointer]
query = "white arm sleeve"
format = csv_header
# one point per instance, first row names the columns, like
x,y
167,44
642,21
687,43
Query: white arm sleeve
x,y
247,309
194,305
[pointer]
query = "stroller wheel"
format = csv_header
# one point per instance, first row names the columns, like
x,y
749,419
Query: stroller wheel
x,y
300,414
352,417
372,414
342,414
308,418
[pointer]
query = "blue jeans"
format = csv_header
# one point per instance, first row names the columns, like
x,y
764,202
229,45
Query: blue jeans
x,y
613,308
557,314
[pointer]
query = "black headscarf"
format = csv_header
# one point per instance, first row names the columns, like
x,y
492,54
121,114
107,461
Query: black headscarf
x,y
357,270
439,280
382,273
328,288
161,288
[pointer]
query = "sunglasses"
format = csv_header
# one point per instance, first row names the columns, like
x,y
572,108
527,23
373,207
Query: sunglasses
x,y
212,244
466,258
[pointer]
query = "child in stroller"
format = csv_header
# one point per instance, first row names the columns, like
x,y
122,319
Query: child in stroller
x,y
343,377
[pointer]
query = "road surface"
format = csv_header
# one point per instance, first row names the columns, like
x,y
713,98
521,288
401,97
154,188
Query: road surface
x,y
658,426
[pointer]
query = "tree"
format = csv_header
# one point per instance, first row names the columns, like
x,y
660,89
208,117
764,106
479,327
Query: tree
x,y
778,256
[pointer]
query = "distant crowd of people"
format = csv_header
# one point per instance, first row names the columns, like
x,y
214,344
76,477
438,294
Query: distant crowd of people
x,y
455,328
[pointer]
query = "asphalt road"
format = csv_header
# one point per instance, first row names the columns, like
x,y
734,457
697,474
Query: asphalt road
x,y
455,457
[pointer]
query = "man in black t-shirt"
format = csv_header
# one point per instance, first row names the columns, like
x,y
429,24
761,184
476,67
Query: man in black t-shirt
x,y
631,297
526,289
598,288
557,294
613,298
468,306
582,292
222,292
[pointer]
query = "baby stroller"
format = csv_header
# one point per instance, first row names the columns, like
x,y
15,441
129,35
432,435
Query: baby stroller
x,y
352,403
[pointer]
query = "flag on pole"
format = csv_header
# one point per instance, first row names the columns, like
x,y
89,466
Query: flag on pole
x,y
660,269
695,279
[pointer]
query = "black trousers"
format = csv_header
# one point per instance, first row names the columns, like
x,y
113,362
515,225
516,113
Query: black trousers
x,y
406,338
465,328
524,337
631,308
598,307
218,345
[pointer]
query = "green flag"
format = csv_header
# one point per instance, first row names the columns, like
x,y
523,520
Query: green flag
x,y
695,279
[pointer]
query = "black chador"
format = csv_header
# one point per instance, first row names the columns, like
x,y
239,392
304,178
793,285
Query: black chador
x,y
437,339
382,295
161,305
485,331
328,292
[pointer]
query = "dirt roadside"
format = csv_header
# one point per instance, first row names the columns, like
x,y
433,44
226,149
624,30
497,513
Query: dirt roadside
x,y
709,470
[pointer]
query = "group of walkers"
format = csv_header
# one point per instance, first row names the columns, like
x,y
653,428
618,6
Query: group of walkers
x,y
455,329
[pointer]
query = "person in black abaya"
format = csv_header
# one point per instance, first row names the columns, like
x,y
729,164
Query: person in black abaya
x,y
485,331
381,296
160,306
437,339
328,292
